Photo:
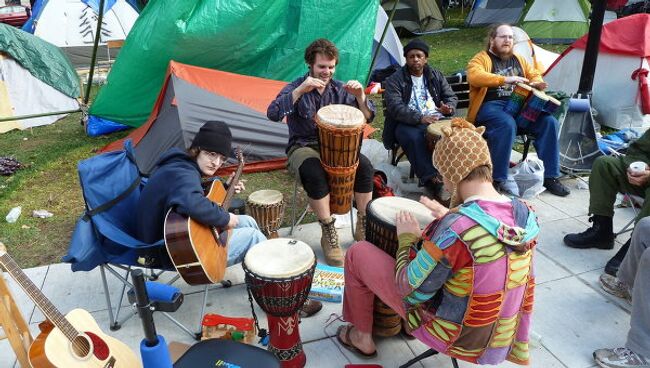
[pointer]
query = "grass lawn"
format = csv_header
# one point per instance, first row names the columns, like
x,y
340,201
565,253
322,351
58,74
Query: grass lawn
x,y
50,154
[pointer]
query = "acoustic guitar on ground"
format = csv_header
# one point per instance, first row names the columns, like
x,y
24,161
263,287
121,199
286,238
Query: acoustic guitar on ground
x,y
200,253
73,341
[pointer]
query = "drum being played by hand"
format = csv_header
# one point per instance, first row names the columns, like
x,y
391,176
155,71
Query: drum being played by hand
x,y
552,105
340,131
517,99
535,105
278,274
380,220
267,208
434,132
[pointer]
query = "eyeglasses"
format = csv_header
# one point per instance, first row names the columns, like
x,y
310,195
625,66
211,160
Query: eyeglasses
x,y
506,37
212,155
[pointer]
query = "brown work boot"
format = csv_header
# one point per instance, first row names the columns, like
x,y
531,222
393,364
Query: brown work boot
x,y
360,228
329,241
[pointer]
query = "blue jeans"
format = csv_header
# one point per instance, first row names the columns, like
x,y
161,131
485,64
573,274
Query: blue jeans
x,y
412,139
243,237
500,132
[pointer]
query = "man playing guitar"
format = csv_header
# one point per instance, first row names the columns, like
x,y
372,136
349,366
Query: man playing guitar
x,y
176,183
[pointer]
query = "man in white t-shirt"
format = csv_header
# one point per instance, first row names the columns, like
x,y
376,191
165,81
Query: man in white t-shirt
x,y
415,97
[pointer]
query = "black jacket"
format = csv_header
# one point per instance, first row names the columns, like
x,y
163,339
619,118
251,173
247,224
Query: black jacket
x,y
397,94
176,182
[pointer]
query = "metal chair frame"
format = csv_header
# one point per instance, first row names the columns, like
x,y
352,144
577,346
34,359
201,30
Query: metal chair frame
x,y
114,311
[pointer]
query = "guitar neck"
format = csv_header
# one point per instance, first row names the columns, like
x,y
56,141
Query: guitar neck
x,y
43,303
231,189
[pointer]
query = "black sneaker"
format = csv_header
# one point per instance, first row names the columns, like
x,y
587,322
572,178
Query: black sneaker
x,y
554,186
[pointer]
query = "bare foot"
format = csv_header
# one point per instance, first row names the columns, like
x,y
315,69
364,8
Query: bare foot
x,y
352,337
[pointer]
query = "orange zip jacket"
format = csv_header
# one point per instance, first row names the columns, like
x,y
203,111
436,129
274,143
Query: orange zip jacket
x,y
480,79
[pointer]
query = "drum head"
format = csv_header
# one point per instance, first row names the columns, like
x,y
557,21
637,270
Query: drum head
x,y
386,208
279,258
436,128
340,116
265,197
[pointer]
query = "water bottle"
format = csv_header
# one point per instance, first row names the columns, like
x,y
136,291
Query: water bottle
x,y
13,215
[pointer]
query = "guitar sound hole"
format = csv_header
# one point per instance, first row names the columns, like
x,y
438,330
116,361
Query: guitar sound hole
x,y
81,347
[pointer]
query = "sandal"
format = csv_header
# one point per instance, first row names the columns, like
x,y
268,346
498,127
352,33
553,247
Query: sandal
x,y
310,308
348,345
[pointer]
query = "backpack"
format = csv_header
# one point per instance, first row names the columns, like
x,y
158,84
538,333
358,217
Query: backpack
x,y
380,185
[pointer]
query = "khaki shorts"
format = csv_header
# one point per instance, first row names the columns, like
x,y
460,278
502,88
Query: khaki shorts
x,y
297,155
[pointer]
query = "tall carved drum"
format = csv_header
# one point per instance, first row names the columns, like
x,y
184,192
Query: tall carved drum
x,y
340,131
278,274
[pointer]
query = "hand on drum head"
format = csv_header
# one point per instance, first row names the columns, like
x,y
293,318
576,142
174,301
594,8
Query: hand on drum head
x,y
405,222
428,119
512,79
354,88
539,85
437,210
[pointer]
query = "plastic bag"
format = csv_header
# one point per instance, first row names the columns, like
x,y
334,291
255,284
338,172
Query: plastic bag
x,y
529,176
375,152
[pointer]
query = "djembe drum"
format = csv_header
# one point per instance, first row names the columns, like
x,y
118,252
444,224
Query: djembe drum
x,y
380,220
517,99
535,105
267,208
381,231
278,274
434,132
340,131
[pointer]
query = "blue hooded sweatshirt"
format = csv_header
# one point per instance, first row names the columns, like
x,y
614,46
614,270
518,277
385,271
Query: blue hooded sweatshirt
x,y
176,183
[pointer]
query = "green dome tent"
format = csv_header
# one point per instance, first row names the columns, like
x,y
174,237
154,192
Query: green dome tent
x,y
557,21
256,37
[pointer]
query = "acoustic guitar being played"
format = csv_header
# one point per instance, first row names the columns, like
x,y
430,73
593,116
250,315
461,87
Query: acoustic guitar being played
x,y
199,252
73,341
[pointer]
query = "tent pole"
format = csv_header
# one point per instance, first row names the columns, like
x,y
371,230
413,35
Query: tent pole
x,y
94,56
591,52
381,40
25,117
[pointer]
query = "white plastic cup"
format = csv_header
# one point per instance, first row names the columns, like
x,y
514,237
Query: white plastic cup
x,y
638,167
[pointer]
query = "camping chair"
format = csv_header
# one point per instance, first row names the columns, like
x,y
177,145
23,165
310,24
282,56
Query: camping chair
x,y
112,44
633,201
104,236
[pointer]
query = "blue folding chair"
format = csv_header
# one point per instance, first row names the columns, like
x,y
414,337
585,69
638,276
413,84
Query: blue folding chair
x,y
104,235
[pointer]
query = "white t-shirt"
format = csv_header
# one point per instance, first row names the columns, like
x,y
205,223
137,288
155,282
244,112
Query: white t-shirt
x,y
420,99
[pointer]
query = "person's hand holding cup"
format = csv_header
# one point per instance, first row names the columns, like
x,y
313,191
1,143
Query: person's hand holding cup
x,y
638,173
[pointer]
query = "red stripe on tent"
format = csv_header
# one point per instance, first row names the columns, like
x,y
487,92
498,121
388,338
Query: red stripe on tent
x,y
253,167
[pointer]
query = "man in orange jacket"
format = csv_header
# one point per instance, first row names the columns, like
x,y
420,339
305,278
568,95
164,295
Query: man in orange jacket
x,y
492,75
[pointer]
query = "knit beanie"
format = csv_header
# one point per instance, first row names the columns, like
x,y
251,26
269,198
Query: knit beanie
x,y
214,136
461,150
417,44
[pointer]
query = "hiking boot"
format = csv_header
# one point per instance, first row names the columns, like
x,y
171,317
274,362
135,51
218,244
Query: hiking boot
x,y
600,235
329,241
360,227
620,358
554,186
611,268
616,287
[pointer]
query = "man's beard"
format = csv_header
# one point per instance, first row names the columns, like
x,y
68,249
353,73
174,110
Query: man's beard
x,y
504,55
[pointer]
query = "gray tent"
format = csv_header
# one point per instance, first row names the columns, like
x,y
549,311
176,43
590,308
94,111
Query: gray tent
x,y
486,12
191,96
415,16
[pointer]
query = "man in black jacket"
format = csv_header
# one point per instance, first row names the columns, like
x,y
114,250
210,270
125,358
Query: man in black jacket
x,y
415,97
